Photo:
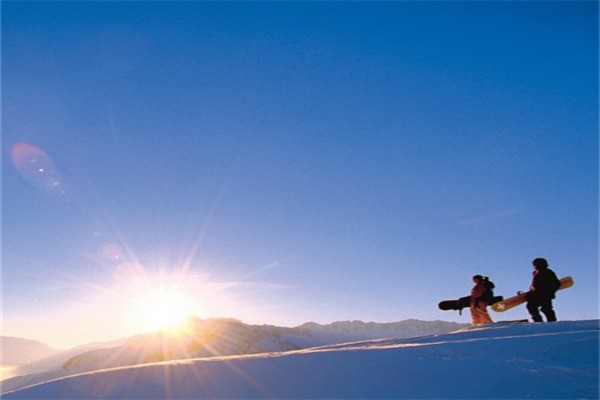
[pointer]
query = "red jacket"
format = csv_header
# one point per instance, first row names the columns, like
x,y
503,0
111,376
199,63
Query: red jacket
x,y
478,290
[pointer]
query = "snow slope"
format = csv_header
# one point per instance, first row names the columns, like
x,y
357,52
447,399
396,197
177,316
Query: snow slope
x,y
218,337
509,361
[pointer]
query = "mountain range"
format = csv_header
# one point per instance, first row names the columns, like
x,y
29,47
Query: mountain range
x,y
17,351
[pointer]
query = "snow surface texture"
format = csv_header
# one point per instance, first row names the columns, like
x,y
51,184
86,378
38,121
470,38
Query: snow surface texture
x,y
509,361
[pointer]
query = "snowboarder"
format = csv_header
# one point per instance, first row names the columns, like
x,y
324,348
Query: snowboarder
x,y
479,295
544,285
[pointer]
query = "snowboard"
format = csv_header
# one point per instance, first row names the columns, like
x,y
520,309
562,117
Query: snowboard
x,y
521,297
461,303
513,321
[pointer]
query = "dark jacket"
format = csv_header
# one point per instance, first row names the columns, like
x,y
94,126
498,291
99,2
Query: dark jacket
x,y
545,283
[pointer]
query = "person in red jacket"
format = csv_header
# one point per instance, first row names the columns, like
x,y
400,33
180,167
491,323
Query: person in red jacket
x,y
478,306
544,285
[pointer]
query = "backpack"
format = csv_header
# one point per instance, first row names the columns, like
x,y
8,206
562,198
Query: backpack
x,y
488,295
555,282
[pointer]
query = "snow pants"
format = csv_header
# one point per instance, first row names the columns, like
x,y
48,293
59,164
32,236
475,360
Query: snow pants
x,y
479,314
535,303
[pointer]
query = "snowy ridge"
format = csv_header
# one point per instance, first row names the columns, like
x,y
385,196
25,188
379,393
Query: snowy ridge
x,y
510,361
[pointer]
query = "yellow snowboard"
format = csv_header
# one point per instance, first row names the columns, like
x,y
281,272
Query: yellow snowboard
x,y
521,298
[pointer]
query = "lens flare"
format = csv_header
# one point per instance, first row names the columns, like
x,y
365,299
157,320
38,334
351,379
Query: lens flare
x,y
111,252
36,167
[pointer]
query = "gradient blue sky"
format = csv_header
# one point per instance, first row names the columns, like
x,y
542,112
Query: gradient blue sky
x,y
285,162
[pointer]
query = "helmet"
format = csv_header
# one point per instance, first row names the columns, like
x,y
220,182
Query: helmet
x,y
540,263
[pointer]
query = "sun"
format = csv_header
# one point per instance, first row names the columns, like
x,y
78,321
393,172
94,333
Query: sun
x,y
160,308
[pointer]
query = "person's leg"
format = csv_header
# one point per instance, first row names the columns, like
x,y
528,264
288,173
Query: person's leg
x,y
474,315
485,316
533,308
479,314
548,310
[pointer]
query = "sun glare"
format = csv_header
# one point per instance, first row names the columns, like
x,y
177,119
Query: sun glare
x,y
162,308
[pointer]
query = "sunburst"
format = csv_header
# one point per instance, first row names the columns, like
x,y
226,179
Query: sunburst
x,y
162,307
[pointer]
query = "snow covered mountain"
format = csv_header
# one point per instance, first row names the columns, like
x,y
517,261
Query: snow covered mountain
x,y
58,359
223,337
509,361
356,330
17,351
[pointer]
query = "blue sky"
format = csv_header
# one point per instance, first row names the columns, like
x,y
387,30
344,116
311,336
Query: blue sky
x,y
280,162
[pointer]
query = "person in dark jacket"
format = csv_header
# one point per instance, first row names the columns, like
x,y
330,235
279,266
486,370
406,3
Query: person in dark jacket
x,y
544,285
